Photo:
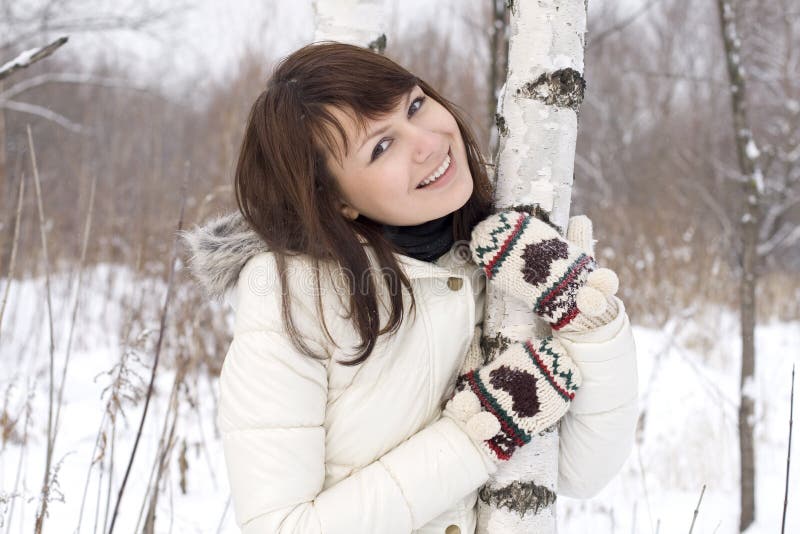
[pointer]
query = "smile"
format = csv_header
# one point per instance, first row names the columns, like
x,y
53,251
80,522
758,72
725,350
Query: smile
x,y
442,170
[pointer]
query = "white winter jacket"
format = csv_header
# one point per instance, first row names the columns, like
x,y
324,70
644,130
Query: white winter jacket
x,y
313,446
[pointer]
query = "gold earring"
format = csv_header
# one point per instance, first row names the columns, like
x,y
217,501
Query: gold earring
x,y
349,213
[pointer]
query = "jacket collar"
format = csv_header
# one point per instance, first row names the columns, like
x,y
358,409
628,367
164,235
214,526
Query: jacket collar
x,y
220,248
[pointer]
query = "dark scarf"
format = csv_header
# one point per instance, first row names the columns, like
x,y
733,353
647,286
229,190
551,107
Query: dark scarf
x,y
427,241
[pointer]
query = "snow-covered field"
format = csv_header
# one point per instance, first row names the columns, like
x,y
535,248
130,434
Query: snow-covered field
x,y
689,390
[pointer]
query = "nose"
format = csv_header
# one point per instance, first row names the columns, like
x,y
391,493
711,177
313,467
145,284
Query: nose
x,y
425,144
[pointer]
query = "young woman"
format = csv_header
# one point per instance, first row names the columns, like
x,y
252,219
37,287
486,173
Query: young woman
x,y
354,396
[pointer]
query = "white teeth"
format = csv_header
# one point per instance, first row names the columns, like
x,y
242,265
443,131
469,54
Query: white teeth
x,y
441,170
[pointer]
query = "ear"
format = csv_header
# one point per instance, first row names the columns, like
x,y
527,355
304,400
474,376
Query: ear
x,y
349,212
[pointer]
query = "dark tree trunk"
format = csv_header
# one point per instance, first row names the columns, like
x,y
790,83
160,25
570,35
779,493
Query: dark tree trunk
x,y
747,154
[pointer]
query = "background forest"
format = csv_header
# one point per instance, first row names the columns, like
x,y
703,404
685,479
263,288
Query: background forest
x,y
656,171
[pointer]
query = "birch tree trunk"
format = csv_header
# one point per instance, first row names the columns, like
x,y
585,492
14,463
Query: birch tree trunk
x,y
537,123
498,64
358,22
753,192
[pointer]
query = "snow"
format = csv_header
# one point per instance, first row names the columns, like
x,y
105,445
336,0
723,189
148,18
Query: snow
x,y
758,178
21,60
689,383
749,388
751,149
23,361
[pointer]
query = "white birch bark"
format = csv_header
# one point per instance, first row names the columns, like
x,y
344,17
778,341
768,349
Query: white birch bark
x,y
537,122
358,22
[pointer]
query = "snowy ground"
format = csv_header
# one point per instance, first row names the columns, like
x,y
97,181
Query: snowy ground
x,y
689,386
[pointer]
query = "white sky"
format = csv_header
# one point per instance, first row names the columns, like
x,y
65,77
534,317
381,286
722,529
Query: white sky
x,y
208,36
211,34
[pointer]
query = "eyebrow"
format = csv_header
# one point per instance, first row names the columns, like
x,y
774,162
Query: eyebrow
x,y
384,128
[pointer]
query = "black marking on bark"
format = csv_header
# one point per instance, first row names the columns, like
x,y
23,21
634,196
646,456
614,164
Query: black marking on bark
x,y
537,211
379,44
563,88
492,346
502,127
510,6
519,497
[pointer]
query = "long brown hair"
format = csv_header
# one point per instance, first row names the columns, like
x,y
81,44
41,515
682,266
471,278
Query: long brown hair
x,y
288,196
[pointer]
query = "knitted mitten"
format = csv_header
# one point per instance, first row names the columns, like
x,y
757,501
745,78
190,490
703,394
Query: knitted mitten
x,y
527,257
526,389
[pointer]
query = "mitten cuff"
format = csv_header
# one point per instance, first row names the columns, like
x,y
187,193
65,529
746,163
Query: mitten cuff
x,y
584,323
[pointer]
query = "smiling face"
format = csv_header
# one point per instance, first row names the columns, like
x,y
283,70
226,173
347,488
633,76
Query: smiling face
x,y
403,169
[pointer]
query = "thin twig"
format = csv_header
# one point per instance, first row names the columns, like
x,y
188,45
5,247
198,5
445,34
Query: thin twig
x,y
92,462
619,26
110,471
99,498
644,487
14,243
22,456
171,508
697,508
163,445
46,484
86,230
788,456
150,518
204,442
224,513
157,354
102,444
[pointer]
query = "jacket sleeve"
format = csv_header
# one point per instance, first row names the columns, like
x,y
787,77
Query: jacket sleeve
x,y
596,435
271,415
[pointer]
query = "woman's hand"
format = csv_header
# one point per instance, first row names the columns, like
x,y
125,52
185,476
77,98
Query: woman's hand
x,y
527,388
527,258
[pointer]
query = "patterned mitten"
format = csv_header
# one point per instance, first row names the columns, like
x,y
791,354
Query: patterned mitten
x,y
526,257
526,389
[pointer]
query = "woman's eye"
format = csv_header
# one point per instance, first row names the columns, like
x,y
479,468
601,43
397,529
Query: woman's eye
x,y
378,150
412,109
415,105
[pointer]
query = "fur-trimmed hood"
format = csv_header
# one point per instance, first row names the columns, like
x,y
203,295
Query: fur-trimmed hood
x,y
219,249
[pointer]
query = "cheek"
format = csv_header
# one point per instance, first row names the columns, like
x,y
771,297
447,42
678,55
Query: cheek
x,y
377,189
444,118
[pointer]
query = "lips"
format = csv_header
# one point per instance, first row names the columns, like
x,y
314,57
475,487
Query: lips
x,y
439,171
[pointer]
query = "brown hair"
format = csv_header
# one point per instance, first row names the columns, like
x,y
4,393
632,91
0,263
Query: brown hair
x,y
288,196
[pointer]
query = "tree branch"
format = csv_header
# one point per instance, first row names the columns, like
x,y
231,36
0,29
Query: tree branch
x,y
619,26
66,77
29,57
786,237
44,113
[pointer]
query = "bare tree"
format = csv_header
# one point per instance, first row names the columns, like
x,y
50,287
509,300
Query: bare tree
x,y
762,229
